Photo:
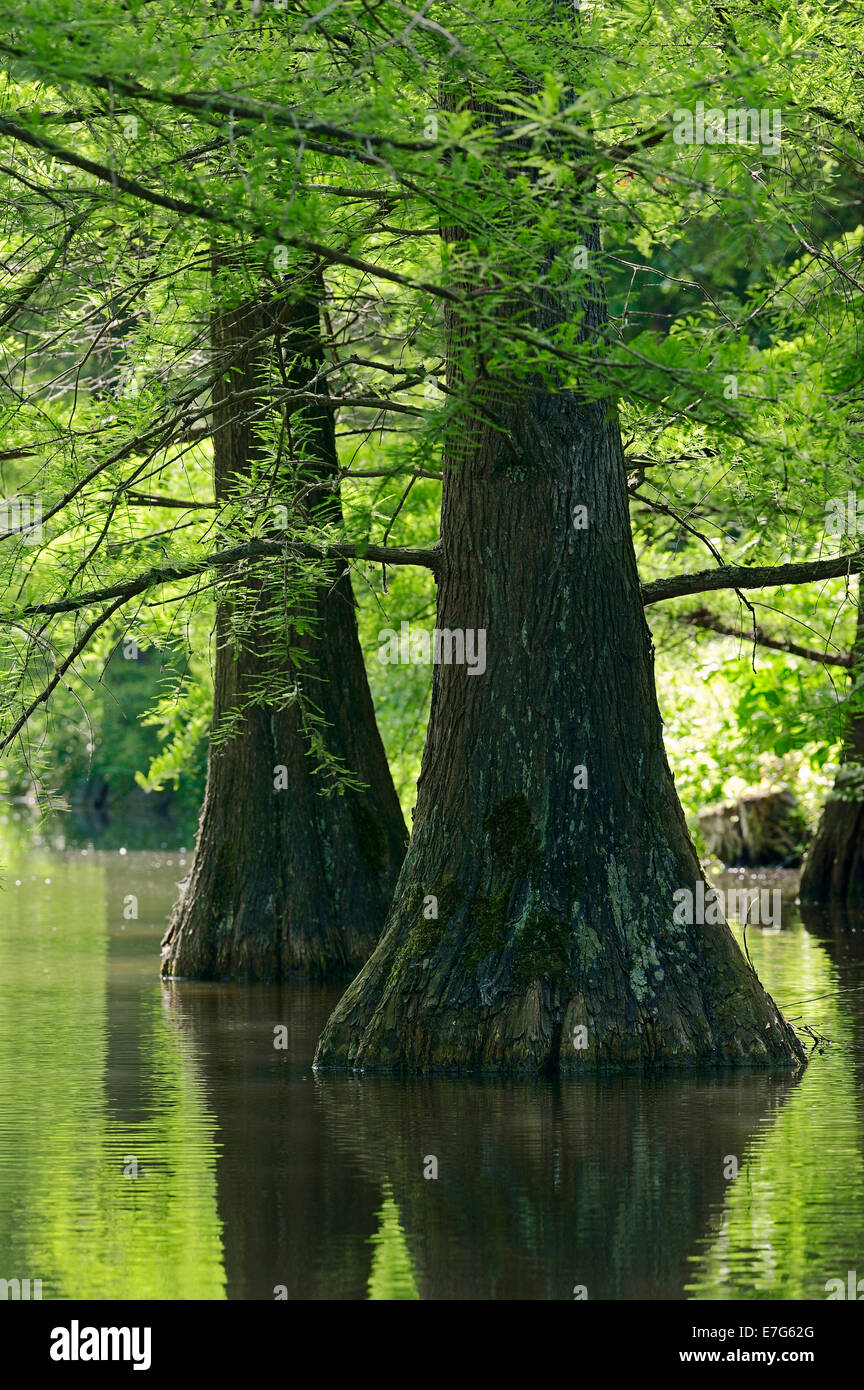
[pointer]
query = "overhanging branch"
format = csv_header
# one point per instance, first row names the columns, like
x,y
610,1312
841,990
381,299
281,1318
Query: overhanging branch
x,y
223,559
701,617
751,577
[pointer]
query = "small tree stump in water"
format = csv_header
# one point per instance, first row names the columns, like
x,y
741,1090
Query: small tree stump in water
x,y
758,830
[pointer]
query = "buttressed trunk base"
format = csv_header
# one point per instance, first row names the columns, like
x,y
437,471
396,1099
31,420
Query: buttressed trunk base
x,y
833,873
285,880
548,837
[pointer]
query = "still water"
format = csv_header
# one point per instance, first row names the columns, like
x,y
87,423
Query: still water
x,y
256,1176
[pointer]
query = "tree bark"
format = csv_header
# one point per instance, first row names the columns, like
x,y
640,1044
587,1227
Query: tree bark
x,y
555,904
285,880
833,873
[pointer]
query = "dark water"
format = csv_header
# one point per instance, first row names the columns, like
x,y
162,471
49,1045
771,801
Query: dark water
x,y
255,1175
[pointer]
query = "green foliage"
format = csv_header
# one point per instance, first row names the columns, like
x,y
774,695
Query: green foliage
x,y
189,161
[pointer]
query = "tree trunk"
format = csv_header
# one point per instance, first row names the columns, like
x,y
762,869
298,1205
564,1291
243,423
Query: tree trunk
x,y
760,829
285,880
833,872
555,901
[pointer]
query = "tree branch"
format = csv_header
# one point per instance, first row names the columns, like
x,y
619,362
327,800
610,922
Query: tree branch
x,y
701,617
141,499
222,559
59,674
37,280
751,577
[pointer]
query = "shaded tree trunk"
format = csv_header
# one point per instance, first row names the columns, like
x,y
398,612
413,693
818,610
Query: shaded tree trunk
x,y
285,880
555,945
833,872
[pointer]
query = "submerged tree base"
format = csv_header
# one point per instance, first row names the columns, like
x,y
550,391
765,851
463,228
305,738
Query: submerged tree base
x,y
550,1030
495,984
833,874
289,878
534,926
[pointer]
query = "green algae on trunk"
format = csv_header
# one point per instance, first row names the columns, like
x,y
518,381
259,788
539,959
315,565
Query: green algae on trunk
x,y
545,799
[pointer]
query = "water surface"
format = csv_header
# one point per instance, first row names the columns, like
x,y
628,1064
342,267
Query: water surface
x,y
154,1143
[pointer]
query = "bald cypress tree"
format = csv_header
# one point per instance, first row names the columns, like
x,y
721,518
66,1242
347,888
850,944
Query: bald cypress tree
x,y
833,873
288,877
534,926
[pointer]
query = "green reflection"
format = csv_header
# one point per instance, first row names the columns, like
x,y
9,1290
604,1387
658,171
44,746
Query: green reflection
x,y
794,1216
392,1274
617,1185
68,1214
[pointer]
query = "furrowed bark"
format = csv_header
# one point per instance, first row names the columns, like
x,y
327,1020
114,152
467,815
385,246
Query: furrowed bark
x,y
833,873
286,880
555,902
